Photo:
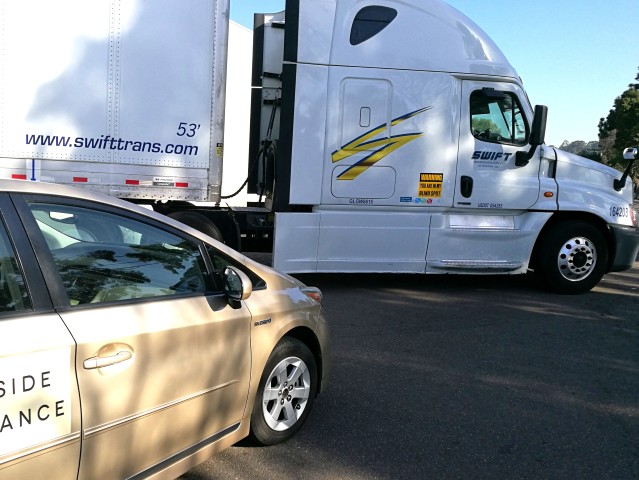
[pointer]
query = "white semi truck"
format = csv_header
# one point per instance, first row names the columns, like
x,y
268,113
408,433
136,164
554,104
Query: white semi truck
x,y
386,136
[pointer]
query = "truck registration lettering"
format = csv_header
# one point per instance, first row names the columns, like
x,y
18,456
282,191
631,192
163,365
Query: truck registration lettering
x,y
622,212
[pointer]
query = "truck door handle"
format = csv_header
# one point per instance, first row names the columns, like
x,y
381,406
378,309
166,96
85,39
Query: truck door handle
x,y
466,186
101,361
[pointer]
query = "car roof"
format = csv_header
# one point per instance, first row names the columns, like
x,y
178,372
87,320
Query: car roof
x,y
25,186
76,193
44,188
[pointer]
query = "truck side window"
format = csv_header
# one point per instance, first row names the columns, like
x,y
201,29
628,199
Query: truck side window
x,y
497,117
369,21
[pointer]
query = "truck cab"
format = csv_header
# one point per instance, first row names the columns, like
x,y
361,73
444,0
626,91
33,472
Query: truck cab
x,y
398,138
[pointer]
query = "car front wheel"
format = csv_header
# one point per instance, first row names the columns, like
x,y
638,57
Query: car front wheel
x,y
286,393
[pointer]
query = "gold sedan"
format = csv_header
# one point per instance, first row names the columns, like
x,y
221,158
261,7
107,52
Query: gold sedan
x,y
134,346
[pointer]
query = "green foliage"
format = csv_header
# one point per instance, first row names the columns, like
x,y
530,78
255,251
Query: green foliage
x,y
596,156
589,150
620,129
482,125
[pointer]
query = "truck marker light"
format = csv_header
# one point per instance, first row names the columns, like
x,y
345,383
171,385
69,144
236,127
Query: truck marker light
x,y
181,184
132,182
80,179
17,176
384,146
633,216
549,194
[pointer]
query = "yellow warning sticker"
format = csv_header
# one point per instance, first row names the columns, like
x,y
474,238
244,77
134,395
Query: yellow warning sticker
x,y
430,185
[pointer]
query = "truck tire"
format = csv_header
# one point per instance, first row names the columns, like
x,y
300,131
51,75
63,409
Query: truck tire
x,y
199,222
572,257
285,394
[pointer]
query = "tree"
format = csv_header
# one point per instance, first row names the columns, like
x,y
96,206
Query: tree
x,y
482,125
589,150
620,129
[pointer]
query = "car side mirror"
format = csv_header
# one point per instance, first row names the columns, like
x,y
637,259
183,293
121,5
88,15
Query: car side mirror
x,y
237,285
537,136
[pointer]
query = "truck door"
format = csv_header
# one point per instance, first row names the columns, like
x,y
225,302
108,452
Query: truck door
x,y
494,126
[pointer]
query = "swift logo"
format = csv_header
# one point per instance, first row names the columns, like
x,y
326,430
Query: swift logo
x,y
383,146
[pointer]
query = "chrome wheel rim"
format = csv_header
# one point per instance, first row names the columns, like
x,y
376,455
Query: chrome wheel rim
x,y
577,259
286,393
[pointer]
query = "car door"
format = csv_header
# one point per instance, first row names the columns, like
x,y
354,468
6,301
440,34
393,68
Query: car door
x,y
163,360
494,127
39,401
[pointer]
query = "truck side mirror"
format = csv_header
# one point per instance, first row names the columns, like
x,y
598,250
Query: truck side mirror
x,y
537,136
631,155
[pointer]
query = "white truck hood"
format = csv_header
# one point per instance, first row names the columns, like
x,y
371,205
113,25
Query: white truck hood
x,y
581,162
584,184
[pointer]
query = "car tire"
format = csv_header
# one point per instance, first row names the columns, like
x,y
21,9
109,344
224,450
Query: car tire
x,y
572,257
285,394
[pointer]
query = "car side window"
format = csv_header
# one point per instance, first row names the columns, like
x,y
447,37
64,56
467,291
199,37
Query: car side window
x,y
104,257
497,117
13,292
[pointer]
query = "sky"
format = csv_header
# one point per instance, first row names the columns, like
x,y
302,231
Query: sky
x,y
573,56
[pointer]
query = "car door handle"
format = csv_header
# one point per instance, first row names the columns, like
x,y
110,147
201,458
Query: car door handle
x,y
107,360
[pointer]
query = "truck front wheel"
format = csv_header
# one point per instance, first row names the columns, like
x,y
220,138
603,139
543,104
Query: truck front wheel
x,y
572,257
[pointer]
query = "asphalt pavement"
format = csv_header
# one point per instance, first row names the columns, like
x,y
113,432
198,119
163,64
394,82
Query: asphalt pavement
x,y
455,377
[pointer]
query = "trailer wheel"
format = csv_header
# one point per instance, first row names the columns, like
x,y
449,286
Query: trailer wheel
x,y
199,222
572,257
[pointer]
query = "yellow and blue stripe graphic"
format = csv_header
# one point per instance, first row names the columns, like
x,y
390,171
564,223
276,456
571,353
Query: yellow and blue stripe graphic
x,y
367,142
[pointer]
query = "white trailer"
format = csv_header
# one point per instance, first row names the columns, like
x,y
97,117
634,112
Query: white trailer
x,y
385,137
